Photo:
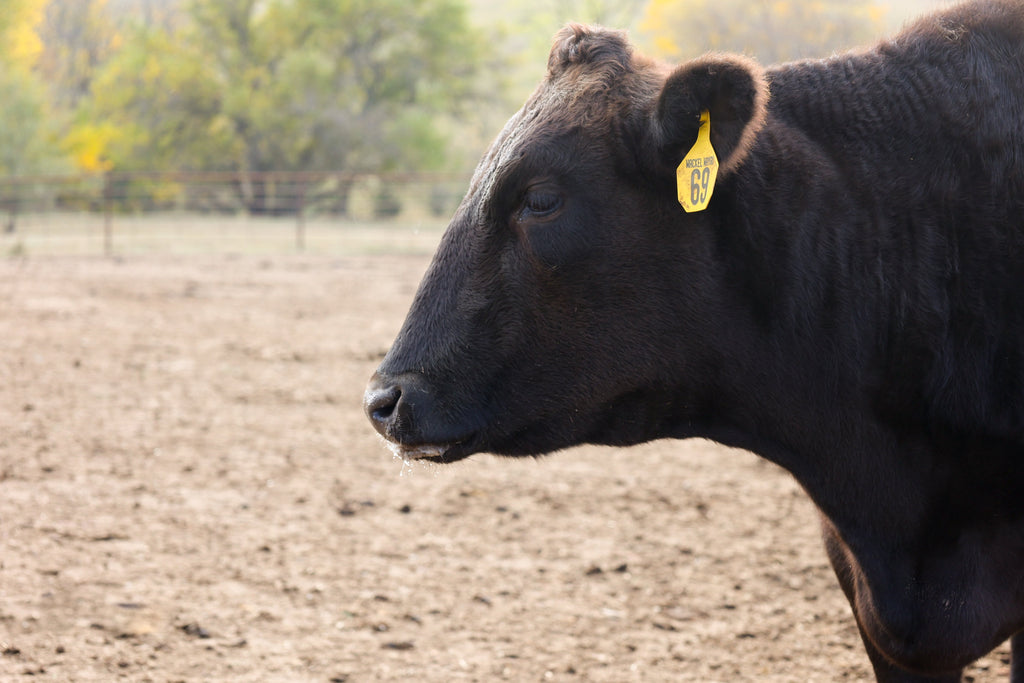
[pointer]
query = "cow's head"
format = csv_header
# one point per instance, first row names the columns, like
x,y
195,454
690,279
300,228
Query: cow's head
x,y
571,299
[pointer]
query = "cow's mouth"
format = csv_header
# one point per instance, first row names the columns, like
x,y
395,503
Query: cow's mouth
x,y
422,452
435,453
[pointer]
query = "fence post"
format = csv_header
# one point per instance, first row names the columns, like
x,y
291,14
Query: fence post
x,y
108,214
300,217
12,204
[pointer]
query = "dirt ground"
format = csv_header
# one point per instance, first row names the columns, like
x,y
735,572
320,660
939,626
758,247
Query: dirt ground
x,y
189,492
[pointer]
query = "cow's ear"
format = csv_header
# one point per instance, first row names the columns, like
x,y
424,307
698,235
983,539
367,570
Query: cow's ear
x,y
734,92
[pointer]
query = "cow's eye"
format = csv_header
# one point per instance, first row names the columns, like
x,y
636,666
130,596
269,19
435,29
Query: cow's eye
x,y
540,203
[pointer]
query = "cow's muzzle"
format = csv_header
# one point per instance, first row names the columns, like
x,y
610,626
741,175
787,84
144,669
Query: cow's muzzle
x,y
404,411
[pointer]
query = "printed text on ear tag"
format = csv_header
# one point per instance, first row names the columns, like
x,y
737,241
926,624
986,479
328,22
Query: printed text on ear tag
x,y
695,176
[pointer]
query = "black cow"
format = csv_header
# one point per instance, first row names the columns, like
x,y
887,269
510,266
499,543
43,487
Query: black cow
x,y
849,304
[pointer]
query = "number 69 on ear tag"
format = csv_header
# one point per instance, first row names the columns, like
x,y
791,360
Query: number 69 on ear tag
x,y
695,176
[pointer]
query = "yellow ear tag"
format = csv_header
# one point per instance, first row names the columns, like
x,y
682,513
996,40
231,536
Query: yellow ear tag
x,y
695,177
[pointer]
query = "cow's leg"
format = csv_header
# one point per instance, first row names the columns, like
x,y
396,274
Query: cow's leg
x,y
1017,658
885,671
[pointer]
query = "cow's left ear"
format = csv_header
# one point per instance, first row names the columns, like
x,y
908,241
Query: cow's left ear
x,y
731,88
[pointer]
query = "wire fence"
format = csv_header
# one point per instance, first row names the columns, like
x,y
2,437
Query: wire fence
x,y
181,211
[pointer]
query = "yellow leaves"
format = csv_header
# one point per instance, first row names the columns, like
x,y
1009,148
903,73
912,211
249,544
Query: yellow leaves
x,y
877,13
88,145
781,7
24,46
673,30
770,30
666,46
19,41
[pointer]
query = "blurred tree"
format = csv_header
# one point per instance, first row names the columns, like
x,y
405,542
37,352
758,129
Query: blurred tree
x,y
19,43
26,136
22,118
163,13
77,37
770,30
77,40
268,85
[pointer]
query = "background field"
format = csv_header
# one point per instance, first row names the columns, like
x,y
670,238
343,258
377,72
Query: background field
x,y
189,492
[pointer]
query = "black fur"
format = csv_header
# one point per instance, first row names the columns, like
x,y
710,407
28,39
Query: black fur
x,y
850,305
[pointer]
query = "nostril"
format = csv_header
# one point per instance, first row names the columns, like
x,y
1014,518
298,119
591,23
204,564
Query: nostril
x,y
385,410
398,407
380,404
383,413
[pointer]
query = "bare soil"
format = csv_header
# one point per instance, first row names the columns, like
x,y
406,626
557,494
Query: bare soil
x,y
189,492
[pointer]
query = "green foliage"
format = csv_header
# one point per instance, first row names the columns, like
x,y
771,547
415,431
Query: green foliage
x,y
25,131
157,94
23,114
291,85
77,37
26,137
